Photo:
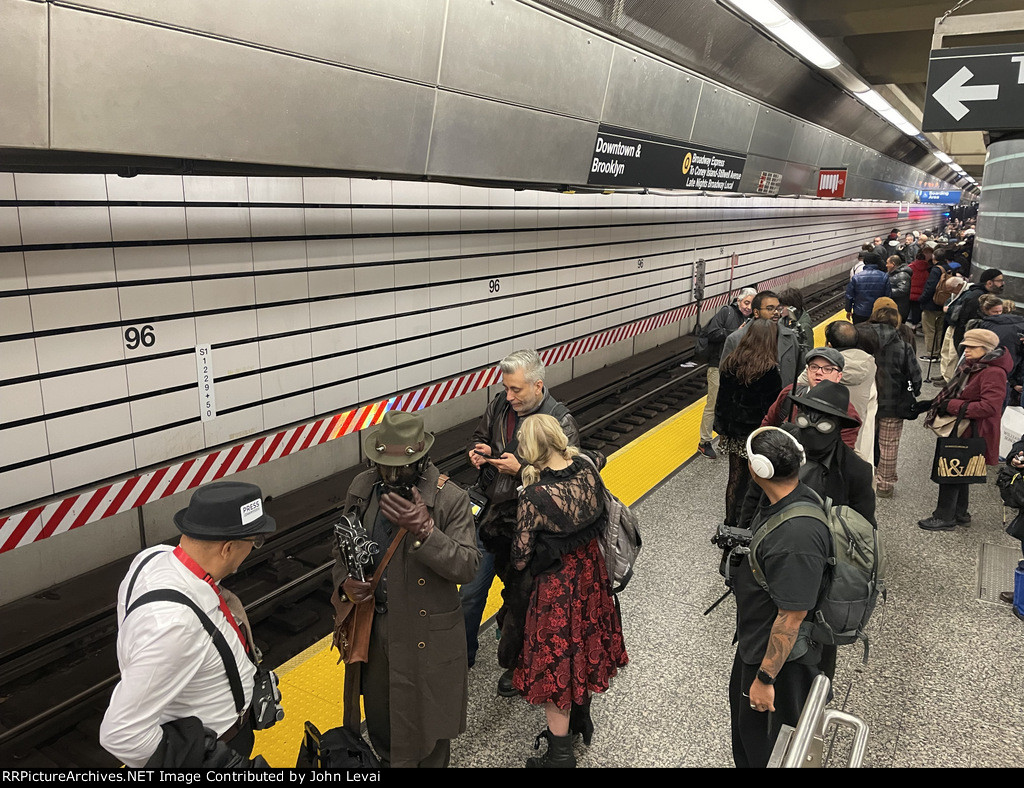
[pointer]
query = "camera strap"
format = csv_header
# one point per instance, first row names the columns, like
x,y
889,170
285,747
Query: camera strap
x,y
219,641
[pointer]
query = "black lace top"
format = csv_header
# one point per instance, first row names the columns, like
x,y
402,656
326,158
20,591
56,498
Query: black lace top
x,y
563,510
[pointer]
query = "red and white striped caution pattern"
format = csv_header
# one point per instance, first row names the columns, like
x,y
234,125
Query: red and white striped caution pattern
x,y
42,522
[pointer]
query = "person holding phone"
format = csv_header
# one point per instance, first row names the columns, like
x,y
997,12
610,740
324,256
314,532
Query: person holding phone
x,y
493,449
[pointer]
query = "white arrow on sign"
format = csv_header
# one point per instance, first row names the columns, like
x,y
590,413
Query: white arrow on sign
x,y
955,92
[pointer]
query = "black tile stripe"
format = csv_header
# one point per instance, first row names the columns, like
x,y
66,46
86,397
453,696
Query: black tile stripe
x,y
834,245
815,220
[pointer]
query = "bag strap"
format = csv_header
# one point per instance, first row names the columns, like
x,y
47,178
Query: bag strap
x,y
798,509
219,641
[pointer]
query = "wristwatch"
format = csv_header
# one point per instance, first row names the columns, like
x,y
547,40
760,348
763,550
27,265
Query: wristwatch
x,y
765,677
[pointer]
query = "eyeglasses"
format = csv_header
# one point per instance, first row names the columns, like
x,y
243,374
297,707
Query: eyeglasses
x,y
821,423
256,541
828,370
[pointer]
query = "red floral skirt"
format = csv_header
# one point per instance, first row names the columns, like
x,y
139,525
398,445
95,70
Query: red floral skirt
x,y
572,643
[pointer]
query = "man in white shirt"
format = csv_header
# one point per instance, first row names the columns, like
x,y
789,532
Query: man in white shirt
x,y
187,685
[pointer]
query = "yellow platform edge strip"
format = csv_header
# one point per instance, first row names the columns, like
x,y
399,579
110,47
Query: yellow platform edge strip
x,y
311,682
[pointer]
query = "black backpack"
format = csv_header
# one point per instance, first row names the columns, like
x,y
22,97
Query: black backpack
x,y
338,748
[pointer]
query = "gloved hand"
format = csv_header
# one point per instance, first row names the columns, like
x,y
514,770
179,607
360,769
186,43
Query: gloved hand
x,y
411,516
356,590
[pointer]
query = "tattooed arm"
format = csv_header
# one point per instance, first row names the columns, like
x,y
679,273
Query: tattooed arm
x,y
780,643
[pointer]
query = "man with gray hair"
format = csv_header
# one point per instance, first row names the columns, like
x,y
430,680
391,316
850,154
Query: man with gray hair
x,y
492,450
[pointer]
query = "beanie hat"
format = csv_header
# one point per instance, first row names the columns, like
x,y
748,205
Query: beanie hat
x,y
990,274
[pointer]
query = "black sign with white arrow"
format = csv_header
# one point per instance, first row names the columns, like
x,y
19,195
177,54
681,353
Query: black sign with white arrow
x,y
975,88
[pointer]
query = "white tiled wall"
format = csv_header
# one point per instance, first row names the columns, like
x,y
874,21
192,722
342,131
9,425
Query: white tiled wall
x,y
319,294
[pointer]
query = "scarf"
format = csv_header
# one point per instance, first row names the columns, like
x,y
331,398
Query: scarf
x,y
958,382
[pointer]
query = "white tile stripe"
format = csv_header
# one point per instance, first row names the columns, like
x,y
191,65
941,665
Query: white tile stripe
x,y
327,428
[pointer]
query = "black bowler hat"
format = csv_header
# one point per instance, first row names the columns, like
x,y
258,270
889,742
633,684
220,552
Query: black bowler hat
x,y
222,511
830,398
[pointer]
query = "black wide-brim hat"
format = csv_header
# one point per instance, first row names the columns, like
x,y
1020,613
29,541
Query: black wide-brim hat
x,y
831,398
400,440
222,511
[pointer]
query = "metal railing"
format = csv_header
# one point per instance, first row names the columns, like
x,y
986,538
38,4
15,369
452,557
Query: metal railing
x,y
803,747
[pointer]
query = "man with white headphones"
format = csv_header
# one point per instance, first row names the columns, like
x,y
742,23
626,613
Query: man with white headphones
x,y
774,668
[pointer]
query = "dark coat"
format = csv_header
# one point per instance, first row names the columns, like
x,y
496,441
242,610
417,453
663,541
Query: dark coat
x,y
899,280
740,409
1009,328
868,285
427,631
898,373
847,481
968,310
491,430
725,321
984,395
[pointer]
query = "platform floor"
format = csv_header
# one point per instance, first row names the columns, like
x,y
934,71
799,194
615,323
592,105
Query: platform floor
x,y
940,689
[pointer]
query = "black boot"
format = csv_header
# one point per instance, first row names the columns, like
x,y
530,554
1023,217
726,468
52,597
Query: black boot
x,y
559,753
580,722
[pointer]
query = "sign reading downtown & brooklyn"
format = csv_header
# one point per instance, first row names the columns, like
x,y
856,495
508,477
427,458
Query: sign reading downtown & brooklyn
x,y
630,158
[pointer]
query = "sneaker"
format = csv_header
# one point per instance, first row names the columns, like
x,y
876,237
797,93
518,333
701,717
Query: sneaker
x,y
707,450
929,358
1006,596
880,493
935,524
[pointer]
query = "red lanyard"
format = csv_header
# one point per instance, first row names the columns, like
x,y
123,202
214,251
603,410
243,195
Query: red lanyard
x,y
197,570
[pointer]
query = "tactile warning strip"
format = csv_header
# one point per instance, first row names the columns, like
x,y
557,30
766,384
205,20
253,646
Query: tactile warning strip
x,y
996,564
311,683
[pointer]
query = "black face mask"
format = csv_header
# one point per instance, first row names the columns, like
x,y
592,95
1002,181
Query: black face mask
x,y
816,441
400,479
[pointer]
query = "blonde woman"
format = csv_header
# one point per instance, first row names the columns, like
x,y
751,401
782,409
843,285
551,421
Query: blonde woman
x,y
572,642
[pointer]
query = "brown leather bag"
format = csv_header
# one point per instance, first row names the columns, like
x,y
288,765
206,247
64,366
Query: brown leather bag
x,y
352,622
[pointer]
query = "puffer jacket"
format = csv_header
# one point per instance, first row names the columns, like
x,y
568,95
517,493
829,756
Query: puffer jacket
x,y
919,276
864,289
899,280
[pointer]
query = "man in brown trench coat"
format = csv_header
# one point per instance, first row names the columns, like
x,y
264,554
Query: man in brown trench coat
x,y
414,683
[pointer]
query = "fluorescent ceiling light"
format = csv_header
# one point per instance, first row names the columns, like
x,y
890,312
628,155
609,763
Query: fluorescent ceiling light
x,y
871,99
788,31
943,157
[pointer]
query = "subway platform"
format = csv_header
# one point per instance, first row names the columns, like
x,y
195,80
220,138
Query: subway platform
x,y
940,688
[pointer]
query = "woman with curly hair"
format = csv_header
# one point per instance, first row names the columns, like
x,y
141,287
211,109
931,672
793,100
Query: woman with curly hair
x,y
572,643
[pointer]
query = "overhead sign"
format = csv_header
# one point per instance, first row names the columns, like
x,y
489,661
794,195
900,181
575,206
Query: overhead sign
x,y
629,158
975,88
940,198
832,183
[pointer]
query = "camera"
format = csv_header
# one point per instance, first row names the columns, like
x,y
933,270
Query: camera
x,y
735,543
266,700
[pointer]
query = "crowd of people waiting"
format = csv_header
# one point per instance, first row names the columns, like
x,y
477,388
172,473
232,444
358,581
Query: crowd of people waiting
x,y
843,406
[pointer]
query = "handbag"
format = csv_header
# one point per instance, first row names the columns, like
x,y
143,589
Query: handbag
x,y
958,459
352,622
338,748
942,423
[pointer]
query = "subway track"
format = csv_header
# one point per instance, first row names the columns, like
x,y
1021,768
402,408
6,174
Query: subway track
x,y
56,675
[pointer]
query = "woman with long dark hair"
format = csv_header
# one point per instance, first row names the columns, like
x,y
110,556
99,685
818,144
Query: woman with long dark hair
x,y
749,383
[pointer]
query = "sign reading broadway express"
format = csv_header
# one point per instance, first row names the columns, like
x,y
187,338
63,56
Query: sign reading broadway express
x,y
630,158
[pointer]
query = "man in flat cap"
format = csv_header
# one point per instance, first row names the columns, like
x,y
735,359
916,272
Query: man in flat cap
x,y
414,682
187,657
